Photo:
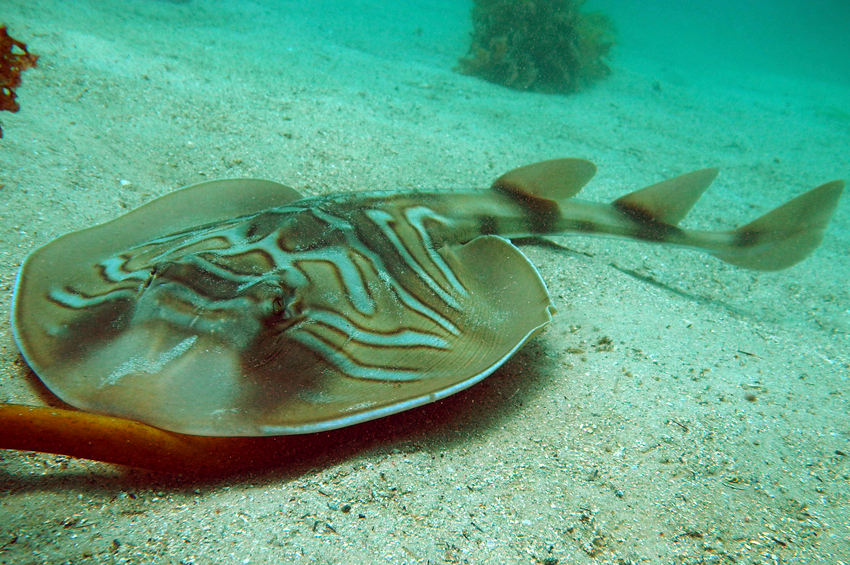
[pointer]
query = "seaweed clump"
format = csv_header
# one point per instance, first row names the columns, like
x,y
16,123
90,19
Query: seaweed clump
x,y
541,45
14,59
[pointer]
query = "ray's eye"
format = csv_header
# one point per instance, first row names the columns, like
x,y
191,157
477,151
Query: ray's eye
x,y
286,311
278,306
157,270
282,300
152,274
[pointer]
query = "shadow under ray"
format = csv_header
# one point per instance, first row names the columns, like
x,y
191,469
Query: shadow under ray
x,y
175,461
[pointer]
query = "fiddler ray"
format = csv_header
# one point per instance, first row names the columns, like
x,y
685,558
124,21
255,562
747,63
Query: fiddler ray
x,y
240,308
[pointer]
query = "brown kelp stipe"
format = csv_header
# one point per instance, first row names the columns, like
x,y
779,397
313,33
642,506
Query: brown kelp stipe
x,y
133,444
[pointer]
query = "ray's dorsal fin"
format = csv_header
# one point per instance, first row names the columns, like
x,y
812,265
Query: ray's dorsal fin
x,y
540,187
557,179
666,202
786,235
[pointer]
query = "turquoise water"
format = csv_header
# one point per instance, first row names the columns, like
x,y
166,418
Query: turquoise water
x,y
787,37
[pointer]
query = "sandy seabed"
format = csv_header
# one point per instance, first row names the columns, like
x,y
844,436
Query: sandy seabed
x,y
677,410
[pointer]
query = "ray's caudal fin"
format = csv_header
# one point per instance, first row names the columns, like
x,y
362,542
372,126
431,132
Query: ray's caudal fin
x,y
226,320
787,235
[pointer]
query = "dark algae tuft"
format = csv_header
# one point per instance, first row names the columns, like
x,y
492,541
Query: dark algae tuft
x,y
14,60
540,45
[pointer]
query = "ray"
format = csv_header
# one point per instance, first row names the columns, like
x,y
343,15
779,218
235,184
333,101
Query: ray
x,y
239,308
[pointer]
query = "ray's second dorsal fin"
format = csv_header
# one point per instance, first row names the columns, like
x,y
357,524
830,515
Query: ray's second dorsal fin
x,y
558,179
666,202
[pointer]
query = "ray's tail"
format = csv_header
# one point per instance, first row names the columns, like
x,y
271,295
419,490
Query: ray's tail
x,y
779,239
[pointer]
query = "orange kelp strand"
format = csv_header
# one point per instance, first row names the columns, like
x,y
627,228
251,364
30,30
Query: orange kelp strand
x,y
125,442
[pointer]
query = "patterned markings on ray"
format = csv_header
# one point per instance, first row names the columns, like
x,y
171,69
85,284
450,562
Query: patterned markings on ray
x,y
238,308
